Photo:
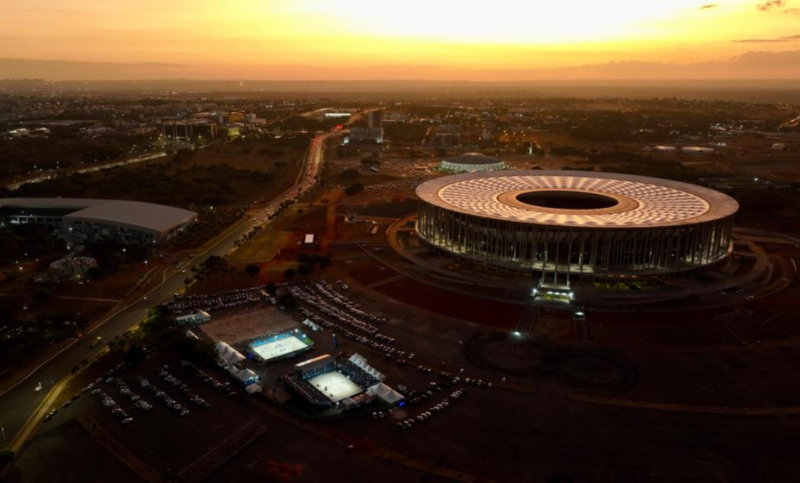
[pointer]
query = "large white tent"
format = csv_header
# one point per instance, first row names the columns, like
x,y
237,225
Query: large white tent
x,y
361,362
385,392
228,354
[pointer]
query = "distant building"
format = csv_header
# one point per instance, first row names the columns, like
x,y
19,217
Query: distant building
x,y
188,130
365,135
81,221
697,150
447,139
232,131
337,115
375,119
199,317
666,149
233,117
451,128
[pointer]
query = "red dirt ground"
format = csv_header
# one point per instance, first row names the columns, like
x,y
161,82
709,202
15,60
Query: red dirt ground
x,y
481,311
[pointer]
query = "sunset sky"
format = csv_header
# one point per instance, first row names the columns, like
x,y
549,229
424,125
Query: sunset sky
x,y
409,39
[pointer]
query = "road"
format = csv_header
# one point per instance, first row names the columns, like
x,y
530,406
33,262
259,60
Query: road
x,y
113,164
19,403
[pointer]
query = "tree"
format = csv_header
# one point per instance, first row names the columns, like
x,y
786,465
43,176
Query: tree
x,y
289,273
252,270
202,351
353,189
271,288
95,273
325,262
563,478
303,257
287,301
304,269
41,295
134,356
6,457
350,174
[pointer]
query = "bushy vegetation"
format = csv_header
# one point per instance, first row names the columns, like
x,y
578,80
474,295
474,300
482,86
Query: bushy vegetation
x,y
350,174
210,222
62,148
568,151
161,332
354,189
400,133
658,168
29,241
110,254
6,457
19,341
779,208
198,185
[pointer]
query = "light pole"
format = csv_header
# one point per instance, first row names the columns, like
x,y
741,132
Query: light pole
x,y
4,436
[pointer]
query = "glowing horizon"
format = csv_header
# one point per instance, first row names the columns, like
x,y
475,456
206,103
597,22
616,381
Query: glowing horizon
x,y
500,40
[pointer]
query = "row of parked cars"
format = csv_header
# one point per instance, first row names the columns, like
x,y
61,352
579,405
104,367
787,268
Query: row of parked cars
x,y
108,402
132,396
431,412
225,388
184,388
164,397
216,301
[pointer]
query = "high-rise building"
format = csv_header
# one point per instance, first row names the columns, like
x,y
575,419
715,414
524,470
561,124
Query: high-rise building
x,y
375,119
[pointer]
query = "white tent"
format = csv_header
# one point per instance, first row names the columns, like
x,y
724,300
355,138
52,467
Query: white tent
x,y
385,392
228,354
246,375
361,362
234,356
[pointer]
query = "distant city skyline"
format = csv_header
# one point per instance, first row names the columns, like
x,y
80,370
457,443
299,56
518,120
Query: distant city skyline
x,y
354,39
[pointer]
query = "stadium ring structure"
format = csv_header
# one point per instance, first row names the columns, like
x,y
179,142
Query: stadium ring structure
x,y
565,224
471,162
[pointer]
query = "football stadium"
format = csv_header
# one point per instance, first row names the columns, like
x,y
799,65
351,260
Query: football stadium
x,y
566,224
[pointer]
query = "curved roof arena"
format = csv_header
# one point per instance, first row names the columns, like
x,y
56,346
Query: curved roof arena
x,y
134,214
577,198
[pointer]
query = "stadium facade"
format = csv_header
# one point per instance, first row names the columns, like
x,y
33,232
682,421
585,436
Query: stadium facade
x,y
567,224
80,220
471,162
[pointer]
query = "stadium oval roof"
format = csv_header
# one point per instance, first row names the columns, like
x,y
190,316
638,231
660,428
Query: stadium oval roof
x,y
135,214
633,201
473,158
